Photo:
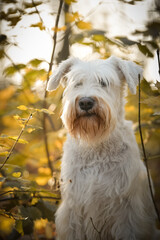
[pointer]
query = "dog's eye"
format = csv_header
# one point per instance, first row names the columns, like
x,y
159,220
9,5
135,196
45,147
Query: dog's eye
x,y
78,84
103,83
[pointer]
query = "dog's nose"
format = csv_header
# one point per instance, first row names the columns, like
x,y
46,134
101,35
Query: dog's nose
x,y
86,103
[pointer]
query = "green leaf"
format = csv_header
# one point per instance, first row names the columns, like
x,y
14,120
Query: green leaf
x,y
144,49
28,226
19,226
13,19
35,62
28,4
9,71
86,34
98,37
34,74
48,210
126,41
31,212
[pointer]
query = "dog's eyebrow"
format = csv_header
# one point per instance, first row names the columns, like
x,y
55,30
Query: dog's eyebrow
x,y
101,80
78,84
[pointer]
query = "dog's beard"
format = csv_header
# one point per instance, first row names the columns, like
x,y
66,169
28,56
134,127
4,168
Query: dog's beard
x,y
89,126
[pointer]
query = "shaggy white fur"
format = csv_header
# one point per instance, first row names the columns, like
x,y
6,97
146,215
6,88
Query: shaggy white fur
x,y
105,193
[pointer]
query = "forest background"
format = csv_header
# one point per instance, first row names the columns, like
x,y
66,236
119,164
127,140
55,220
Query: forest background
x,y
34,37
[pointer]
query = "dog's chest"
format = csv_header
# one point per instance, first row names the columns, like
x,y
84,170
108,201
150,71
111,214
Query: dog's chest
x,y
91,175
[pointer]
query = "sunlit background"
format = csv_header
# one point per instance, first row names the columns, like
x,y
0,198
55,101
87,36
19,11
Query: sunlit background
x,y
112,17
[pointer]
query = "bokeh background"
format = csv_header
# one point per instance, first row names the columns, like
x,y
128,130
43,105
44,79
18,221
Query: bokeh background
x,y
34,37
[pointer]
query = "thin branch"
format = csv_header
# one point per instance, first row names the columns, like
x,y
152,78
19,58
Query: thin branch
x,y
37,11
99,232
54,39
17,198
21,191
144,153
41,20
154,157
45,96
20,134
158,61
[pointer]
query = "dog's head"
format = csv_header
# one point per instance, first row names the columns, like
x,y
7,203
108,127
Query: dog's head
x,y
93,96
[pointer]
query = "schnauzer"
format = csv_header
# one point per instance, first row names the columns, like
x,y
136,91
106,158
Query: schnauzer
x,y
105,192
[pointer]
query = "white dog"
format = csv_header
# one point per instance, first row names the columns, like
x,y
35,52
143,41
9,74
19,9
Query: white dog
x,y
105,193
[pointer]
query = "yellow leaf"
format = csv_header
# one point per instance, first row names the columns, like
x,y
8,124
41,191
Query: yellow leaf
x,y
58,144
59,29
42,180
7,93
19,227
17,117
22,107
6,225
44,110
19,140
40,25
63,28
46,171
16,174
84,25
71,17
57,165
70,1
29,130
21,125
98,37
130,108
4,153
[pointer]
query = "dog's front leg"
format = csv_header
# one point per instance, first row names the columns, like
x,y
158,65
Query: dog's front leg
x,y
63,228
68,224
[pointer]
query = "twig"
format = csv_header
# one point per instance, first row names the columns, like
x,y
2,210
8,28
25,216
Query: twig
x,y
99,232
21,132
37,11
45,95
21,191
158,61
41,20
54,39
144,153
17,198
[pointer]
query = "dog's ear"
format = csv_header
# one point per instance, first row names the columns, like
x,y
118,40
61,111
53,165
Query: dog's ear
x,y
59,74
130,71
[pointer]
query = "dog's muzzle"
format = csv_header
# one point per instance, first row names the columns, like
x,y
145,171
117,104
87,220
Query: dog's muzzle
x,y
86,103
